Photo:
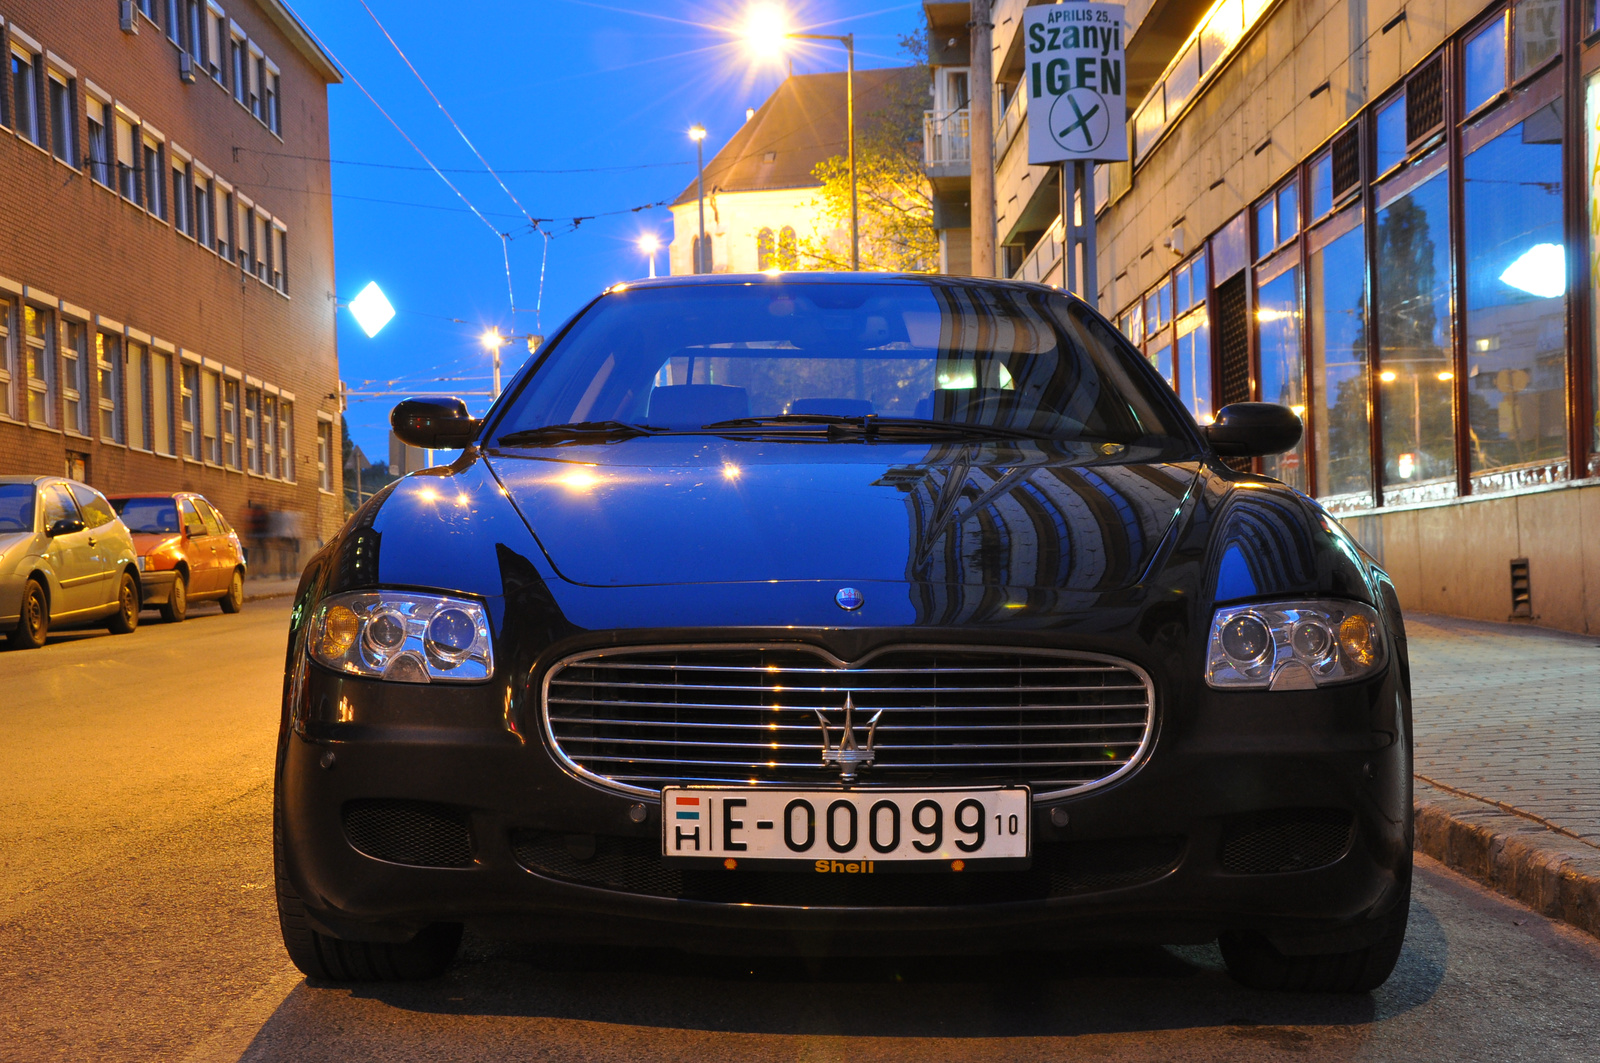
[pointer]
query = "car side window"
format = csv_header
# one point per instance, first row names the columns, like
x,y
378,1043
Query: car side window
x,y
58,505
209,516
96,510
193,526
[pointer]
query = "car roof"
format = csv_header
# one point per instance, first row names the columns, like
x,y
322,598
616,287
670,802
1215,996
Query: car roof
x,y
156,494
14,479
686,280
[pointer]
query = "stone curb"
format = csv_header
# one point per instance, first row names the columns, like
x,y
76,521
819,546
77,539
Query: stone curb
x,y
282,591
1554,874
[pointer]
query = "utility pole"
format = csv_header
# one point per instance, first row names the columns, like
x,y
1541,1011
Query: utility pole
x,y
980,94
697,133
850,120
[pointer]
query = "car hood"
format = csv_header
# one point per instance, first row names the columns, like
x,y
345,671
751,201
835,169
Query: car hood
x,y
149,542
696,509
11,540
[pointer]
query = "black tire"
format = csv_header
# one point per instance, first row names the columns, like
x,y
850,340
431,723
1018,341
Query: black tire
x,y
1254,962
33,625
428,955
177,604
233,601
126,618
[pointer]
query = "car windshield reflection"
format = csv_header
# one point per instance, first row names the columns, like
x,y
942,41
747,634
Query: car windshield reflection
x,y
157,516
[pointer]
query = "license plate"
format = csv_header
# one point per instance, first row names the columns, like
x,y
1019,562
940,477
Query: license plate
x,y
845,831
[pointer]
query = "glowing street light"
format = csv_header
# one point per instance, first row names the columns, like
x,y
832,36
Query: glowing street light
x,y
492,342
766,34
371,309
649,243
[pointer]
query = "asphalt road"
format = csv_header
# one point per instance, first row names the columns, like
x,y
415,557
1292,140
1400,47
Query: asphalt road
x,y
137,923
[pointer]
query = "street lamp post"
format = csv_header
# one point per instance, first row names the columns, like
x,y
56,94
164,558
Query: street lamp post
x,y
493,341
649,244
764,32
697,133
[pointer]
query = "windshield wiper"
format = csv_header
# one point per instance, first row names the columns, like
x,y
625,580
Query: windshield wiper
x,y
872,425
578,431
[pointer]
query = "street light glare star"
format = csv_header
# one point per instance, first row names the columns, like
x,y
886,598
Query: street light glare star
x,y
649,243
697,132
371,309
766,31
491,339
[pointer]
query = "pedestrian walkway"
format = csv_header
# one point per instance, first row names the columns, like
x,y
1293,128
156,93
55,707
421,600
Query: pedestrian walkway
x,y
1507,722
270,587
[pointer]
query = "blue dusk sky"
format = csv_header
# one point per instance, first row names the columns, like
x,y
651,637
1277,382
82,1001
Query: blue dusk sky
x,y
582,107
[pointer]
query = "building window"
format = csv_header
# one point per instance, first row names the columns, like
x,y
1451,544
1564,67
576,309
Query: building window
x,y
24,94
237,64
1485,77
1516,280
137,378
260,247
269,435
325,455
252,429
1412,290
108,363
211,416
195,27
189,410
245,235
182,197
788,249
286,453
273,85
1189,284
765,250
75,375
1193,364
1391,133
155,199
216,42
1282,373
148,7
230,423
1336,300
280,259
175,21
127,163
1536,34
63,118
99,142
205,212
225,216
161,403
41,365
257,74
1277,218
8,356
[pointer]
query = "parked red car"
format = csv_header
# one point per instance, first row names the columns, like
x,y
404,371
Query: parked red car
x,y
187,552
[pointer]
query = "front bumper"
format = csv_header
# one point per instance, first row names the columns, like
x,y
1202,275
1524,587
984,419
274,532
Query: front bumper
x,y
1242,755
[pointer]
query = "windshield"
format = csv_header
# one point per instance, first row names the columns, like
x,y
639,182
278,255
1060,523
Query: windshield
x,y
16,507
963,358
156,515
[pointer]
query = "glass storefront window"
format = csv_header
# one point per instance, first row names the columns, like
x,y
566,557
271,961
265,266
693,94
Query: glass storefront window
x,y
1194,366
1536,34
1591,111
1282,375
1392,133
1516,281
1412,290
1288,210
1486,65
1161,356
1335,284
1266,229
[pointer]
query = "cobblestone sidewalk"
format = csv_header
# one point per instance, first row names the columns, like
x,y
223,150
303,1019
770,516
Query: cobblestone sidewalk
x,y
1508,759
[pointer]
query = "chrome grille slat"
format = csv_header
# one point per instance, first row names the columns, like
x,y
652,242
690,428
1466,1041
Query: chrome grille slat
x,y
615,716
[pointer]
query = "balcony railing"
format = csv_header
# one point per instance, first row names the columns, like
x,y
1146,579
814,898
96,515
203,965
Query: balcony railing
x,y
946,136
1043,263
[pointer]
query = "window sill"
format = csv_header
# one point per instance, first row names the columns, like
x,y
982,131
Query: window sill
x,y
70,434
190,461
325,491
67,164
101,184
104,442
36,426
40,148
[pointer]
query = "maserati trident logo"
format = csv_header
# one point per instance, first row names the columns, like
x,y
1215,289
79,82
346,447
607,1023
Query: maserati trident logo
x,y
850,755
849,599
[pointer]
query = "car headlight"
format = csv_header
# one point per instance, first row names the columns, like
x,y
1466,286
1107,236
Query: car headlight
x,y
1293,645
403,637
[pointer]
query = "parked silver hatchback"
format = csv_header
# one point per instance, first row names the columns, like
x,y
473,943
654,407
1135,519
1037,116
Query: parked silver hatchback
x,y
66,560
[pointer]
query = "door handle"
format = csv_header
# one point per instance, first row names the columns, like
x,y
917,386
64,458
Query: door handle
x,y
91,540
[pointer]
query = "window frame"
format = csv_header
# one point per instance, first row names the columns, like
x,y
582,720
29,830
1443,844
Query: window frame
x,y
109,372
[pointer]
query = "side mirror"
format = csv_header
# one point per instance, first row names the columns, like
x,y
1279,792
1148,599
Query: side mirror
x,y
65,526
1253,430
434,422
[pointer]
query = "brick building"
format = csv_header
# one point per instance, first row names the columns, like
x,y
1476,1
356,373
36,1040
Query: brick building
x,y
166,256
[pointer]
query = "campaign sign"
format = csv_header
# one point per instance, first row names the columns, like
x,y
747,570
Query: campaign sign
x,y
1077,102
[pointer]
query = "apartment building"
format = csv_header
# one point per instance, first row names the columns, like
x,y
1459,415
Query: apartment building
x,y
166,256
1380,214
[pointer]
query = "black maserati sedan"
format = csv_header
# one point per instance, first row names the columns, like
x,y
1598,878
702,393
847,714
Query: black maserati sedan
x,y
845,614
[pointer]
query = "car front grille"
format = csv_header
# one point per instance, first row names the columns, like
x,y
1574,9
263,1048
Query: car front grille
x,y
635,720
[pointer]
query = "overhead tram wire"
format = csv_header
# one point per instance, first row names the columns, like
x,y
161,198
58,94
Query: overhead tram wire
x,y
505,238
457,169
